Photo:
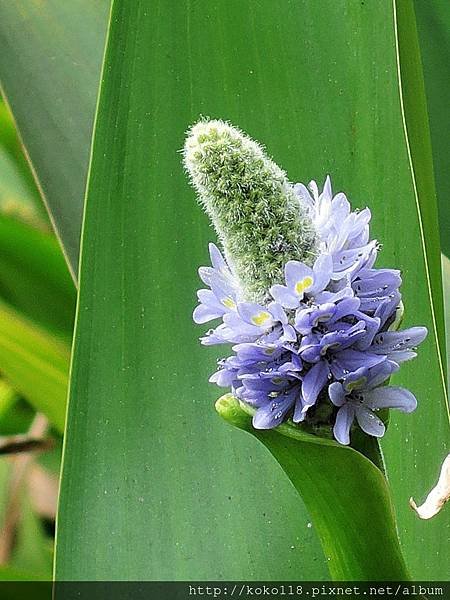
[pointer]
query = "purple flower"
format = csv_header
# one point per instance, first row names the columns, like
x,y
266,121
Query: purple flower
x,y
343,234
325,338
221,298
398,346
274,393
332,356
378,292
258,352
251,321
373,285
360,396
349,261
230,370
320,315
274,410
303,281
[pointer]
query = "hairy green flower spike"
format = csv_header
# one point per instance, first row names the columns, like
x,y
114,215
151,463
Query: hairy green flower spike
x,y
258,218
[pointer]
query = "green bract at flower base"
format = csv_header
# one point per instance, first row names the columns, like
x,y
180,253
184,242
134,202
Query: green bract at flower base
x,y
346,495
258,217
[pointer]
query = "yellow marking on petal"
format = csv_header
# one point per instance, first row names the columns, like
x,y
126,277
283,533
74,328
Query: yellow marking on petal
x,y
229,303
303,284
261,318
358,383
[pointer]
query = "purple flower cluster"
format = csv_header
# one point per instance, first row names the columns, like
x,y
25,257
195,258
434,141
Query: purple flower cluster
x,y
324,338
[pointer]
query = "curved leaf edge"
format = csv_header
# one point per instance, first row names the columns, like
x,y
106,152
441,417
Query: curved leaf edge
x,y
329,476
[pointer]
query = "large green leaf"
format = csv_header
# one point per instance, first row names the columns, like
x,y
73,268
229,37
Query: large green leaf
x,y
414,456
148,472
417,135
35,364
433,20
49,70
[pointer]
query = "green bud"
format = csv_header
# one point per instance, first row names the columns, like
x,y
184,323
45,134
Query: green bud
x,y
230,409
258,218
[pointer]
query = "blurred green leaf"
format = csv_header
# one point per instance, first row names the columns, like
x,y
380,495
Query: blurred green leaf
x,y
35,364
10,144
15,197
24,543
18,418
7,397
51,460
5,473
49,70
34,277
32,550
136,351
8,136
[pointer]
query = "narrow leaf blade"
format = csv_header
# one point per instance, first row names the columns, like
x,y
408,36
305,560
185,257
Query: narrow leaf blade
x,y
35,363
53,50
